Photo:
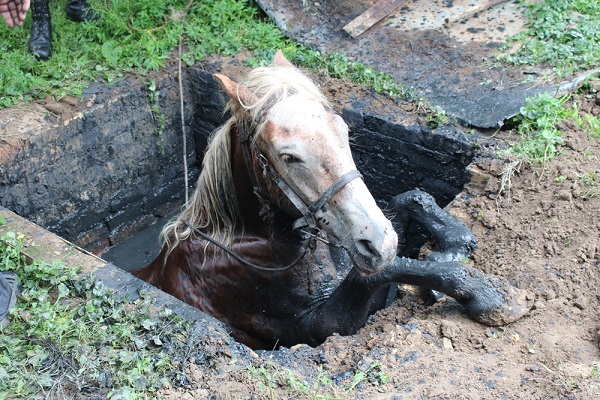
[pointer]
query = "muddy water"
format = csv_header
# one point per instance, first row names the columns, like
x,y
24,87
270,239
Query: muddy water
x,y
139,250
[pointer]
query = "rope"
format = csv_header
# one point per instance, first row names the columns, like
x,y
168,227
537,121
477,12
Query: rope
x,y
243,260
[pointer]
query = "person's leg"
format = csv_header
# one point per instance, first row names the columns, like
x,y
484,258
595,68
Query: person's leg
x,y
40,41
80,10
8,295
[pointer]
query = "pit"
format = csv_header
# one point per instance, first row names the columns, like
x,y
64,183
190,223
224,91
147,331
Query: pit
x,y
106,172
102,170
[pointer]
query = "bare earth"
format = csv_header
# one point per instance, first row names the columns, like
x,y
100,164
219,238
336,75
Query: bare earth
x,y
541,232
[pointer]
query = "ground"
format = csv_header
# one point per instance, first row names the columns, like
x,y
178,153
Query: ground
x,y
541,231
536,226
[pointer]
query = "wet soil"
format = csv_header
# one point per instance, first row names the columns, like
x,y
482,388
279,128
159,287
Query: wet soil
x,y
443,51
541,232
537,227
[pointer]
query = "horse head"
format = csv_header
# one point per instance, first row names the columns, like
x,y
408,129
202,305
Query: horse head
x,y
292,128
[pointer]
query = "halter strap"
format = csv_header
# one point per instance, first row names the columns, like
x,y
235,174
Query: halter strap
x,y
333,189
306,224
242,259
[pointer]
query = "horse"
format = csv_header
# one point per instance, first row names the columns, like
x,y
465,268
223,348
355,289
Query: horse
x,y
282,240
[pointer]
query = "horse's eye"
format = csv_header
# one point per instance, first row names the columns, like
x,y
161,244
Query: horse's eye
x,y
289,159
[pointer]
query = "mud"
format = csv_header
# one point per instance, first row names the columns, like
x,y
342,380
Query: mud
x,y
541,233
444,50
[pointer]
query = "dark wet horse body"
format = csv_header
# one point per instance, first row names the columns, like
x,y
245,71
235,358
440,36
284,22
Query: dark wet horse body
x,y
310,290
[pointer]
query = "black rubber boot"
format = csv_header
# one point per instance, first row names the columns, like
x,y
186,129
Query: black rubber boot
x,y
40,41
80,10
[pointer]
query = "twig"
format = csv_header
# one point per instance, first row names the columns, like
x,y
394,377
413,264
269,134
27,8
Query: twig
x,y
545,380
505,181
8,121
156,28
185,166
183,133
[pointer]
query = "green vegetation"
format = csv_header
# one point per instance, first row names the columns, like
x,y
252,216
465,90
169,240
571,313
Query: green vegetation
x,y
160,119
596,369
591,184
564,34
140,36
538,124
321,386
70,336
131,37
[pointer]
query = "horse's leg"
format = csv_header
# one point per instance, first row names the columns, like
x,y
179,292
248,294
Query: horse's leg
x,y
489,300
344,312
454,239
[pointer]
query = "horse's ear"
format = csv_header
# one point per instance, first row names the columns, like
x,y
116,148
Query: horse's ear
x,y
238,93
280,60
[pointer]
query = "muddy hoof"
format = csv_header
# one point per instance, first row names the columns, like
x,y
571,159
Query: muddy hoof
x,y
506,305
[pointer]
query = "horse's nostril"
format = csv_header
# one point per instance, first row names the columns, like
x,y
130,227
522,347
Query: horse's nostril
x,y
368,250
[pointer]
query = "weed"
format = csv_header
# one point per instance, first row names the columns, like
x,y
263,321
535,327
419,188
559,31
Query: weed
x,y
588,179
437,117
272,377
373,374
70,335
596,369
592,185
537,124
588,122
571,385
158,116
321,386
563,34
480,215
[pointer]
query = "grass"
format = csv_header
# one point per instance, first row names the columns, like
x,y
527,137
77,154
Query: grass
x,y
140,36
538,125
70,336
272,379
564,34
591,185
131,37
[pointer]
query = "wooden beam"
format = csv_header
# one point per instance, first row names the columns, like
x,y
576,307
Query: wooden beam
x,y
373,15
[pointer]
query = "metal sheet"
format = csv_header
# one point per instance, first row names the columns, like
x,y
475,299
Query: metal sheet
x,y
444,49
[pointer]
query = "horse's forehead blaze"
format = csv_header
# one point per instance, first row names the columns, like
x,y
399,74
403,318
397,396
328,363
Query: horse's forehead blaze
x,y
306,121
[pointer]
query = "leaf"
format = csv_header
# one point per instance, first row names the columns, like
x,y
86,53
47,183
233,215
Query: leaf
x,y
111,52
148,324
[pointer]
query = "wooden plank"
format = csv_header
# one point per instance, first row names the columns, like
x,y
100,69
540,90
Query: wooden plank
x,y
373,15
475,9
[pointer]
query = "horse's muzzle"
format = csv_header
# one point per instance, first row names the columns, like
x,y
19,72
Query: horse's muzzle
x,y
371,256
